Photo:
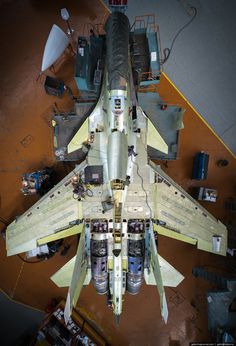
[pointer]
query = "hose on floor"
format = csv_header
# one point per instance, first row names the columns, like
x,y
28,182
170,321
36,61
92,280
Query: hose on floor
x,y
167,51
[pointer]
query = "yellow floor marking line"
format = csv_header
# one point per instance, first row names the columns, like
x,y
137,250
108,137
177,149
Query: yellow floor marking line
x,y
199,115
104,5
17,280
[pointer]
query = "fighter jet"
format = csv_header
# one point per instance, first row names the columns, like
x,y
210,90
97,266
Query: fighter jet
x,y
117,198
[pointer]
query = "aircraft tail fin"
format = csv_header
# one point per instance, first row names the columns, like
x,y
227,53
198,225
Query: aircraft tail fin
x,y
157,274
78,277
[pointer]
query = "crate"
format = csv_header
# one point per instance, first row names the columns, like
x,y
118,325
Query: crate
x,y
54,86
200,166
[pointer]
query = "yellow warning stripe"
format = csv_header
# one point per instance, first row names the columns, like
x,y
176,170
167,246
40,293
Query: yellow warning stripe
x,y
199,115
104,5
17,280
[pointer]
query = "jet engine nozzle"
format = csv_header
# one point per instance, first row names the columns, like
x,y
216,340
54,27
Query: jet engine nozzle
x,y
99,265
136,254
135,274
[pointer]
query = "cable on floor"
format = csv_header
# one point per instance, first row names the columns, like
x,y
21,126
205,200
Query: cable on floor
x,y
167,51
142,185
17,280
33,262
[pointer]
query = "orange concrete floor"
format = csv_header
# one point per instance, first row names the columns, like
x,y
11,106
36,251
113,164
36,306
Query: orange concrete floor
x,y
26,145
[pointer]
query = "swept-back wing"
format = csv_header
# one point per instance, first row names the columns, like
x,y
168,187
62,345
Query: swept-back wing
x,y
53,213
179,216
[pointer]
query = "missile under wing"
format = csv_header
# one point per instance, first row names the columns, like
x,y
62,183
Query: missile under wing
x,y
117,199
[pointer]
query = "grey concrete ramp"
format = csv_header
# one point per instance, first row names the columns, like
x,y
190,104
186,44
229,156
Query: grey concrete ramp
x,y
202,62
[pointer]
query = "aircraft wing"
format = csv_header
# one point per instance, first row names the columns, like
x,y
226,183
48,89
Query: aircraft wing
x,y
53,217
179,216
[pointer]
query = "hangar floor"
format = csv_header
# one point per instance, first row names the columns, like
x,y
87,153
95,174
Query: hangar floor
x,y
27,145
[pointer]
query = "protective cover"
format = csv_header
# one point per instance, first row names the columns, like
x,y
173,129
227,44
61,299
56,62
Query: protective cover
x,y
56,44
117,44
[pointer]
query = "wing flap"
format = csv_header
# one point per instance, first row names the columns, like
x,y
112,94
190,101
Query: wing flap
x,y
59,235
173,234
183,218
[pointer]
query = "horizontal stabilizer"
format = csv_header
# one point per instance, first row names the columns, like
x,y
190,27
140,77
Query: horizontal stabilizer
x,y
154,139
62,278
79,138
170,276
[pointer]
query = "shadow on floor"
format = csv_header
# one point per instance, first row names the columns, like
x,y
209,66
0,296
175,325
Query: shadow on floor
x,y
18,322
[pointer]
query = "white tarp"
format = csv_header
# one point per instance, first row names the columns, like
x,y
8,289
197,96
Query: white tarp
x,y
56,44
